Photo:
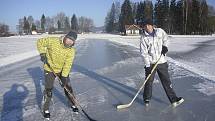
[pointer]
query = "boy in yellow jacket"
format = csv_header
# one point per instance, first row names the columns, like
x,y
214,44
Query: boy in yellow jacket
x,y
58,53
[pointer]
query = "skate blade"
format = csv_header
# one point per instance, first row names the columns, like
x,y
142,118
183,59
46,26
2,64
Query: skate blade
x,y
174,105
146,104
47,119
76,113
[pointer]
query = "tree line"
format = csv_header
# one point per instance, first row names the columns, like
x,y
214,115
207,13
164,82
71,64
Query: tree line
x,y
56,24
174,16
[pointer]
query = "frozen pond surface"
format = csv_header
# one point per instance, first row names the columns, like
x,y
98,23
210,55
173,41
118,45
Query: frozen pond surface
x,y
104,75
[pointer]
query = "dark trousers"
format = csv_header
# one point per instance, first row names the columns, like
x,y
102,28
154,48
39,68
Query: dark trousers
x,y
162,70
49,83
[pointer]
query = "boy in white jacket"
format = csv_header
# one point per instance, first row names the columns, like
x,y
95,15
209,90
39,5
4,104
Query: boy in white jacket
x,y
153,44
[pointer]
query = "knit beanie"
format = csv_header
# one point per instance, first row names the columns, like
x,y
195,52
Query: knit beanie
x,y
71,35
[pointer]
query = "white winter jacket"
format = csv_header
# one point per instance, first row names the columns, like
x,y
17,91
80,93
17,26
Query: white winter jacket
x,y
151,46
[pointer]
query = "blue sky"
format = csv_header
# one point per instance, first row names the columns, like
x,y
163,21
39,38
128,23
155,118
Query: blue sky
x,y
12,10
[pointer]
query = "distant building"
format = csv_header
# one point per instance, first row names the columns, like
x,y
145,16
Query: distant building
x,y
34,33
132,29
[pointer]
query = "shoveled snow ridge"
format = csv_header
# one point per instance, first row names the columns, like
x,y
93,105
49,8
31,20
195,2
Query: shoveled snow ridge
x,y
16,58
134,43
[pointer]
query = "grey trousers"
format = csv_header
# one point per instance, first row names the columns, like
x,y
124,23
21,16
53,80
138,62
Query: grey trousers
x,y
49,83
162,70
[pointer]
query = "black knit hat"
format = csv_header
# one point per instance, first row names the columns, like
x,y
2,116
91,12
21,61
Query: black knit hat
x,y
71,35
148,22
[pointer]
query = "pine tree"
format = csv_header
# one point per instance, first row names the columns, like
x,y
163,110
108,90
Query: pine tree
x,y
43,22
162,14
110,20
193,26
126,17
134,10
211,24
74,23
148,10
211,19
107,19
204,17
172,16
166,15
158,14
186,8
33,27
59,25
179,26
140,13
117,14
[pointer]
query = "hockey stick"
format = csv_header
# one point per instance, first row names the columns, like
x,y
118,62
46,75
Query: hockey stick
x,y
129,104
76,101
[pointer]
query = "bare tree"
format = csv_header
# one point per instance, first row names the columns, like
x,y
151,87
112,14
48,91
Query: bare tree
x,y
89,24
85,24
37,24
4,30
20,26
81,24
49,23
61,18
30,20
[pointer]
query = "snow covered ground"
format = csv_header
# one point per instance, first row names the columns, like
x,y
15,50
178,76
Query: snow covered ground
x,y
188,56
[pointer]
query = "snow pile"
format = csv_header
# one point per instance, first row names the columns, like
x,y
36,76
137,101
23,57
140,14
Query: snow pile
x,y
17,48
16,58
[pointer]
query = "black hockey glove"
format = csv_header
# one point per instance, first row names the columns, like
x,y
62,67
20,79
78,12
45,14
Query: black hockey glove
x,y
164,50
147,70
43,58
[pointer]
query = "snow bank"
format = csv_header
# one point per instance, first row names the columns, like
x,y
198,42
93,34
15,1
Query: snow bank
x,y
18,48
16,58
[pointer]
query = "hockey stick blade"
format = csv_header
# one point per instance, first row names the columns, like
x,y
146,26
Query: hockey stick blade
x,y
123,106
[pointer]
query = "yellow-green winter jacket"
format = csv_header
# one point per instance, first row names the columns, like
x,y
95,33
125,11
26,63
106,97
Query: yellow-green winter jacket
x,y
59,57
